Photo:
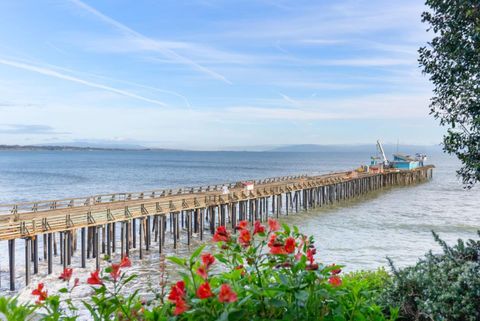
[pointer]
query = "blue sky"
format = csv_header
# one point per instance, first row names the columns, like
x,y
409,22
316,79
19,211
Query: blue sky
x,y
211,74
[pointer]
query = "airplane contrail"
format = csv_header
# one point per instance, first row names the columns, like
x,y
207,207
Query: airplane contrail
x,y
53,73
153,43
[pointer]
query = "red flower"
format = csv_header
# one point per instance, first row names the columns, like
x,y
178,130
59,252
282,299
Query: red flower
x,y
125,262
207,260
204,291
276,247
312,266
273,224
115,271
336,271
310,253
180,307
42,295
258,228
242,225
202,272
76,282
335,280
244,238
94,278
177,292
66,274
226,295
290,245
272,239
221,235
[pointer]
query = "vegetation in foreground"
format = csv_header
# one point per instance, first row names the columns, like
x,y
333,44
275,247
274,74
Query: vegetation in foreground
x,y
440,286
270,273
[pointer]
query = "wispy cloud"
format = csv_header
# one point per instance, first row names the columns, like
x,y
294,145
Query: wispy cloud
x,y
290,100
56,74
17,104
380,106
149,42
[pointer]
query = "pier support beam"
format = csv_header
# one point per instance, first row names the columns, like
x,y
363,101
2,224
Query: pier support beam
x,y
83,248
11,263
27,261
50,252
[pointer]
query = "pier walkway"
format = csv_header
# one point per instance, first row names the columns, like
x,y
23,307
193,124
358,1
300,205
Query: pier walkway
x,y
93,225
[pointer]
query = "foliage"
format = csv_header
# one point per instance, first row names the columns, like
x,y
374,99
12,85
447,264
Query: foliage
x,y
361,294
439,287
452,61
275,277
11,310
258,273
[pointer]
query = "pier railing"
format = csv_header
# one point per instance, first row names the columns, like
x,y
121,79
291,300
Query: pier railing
x,y
98,217
66,203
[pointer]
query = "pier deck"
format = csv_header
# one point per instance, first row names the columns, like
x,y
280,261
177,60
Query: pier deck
x,y
187,210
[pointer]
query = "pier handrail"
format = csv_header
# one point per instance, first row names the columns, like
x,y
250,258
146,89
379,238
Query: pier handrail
x,y
47,205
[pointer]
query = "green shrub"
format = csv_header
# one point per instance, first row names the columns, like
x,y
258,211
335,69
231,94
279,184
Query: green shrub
x,y
440,286
359,298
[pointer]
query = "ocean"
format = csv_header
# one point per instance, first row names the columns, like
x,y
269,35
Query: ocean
x,y
358,234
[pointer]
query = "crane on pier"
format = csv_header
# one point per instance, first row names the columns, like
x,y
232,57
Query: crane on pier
x,y
382,153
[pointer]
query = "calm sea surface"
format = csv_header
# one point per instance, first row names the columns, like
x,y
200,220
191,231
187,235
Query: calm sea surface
x,y
360,234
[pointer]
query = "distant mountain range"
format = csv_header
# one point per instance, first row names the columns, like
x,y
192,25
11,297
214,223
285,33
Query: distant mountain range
x,y
76,148
304,148
389,148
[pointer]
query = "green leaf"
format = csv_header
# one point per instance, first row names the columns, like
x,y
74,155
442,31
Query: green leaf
x,y
196,253
177,260
286,228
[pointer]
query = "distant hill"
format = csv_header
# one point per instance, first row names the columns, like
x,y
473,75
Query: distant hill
x,y
304,148
51,148
74,148
368,148
97,144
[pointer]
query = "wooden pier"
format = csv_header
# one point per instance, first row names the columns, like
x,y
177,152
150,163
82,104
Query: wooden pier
x,y
143,220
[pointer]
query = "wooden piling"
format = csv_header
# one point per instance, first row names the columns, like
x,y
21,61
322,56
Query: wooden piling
x,y
11,263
